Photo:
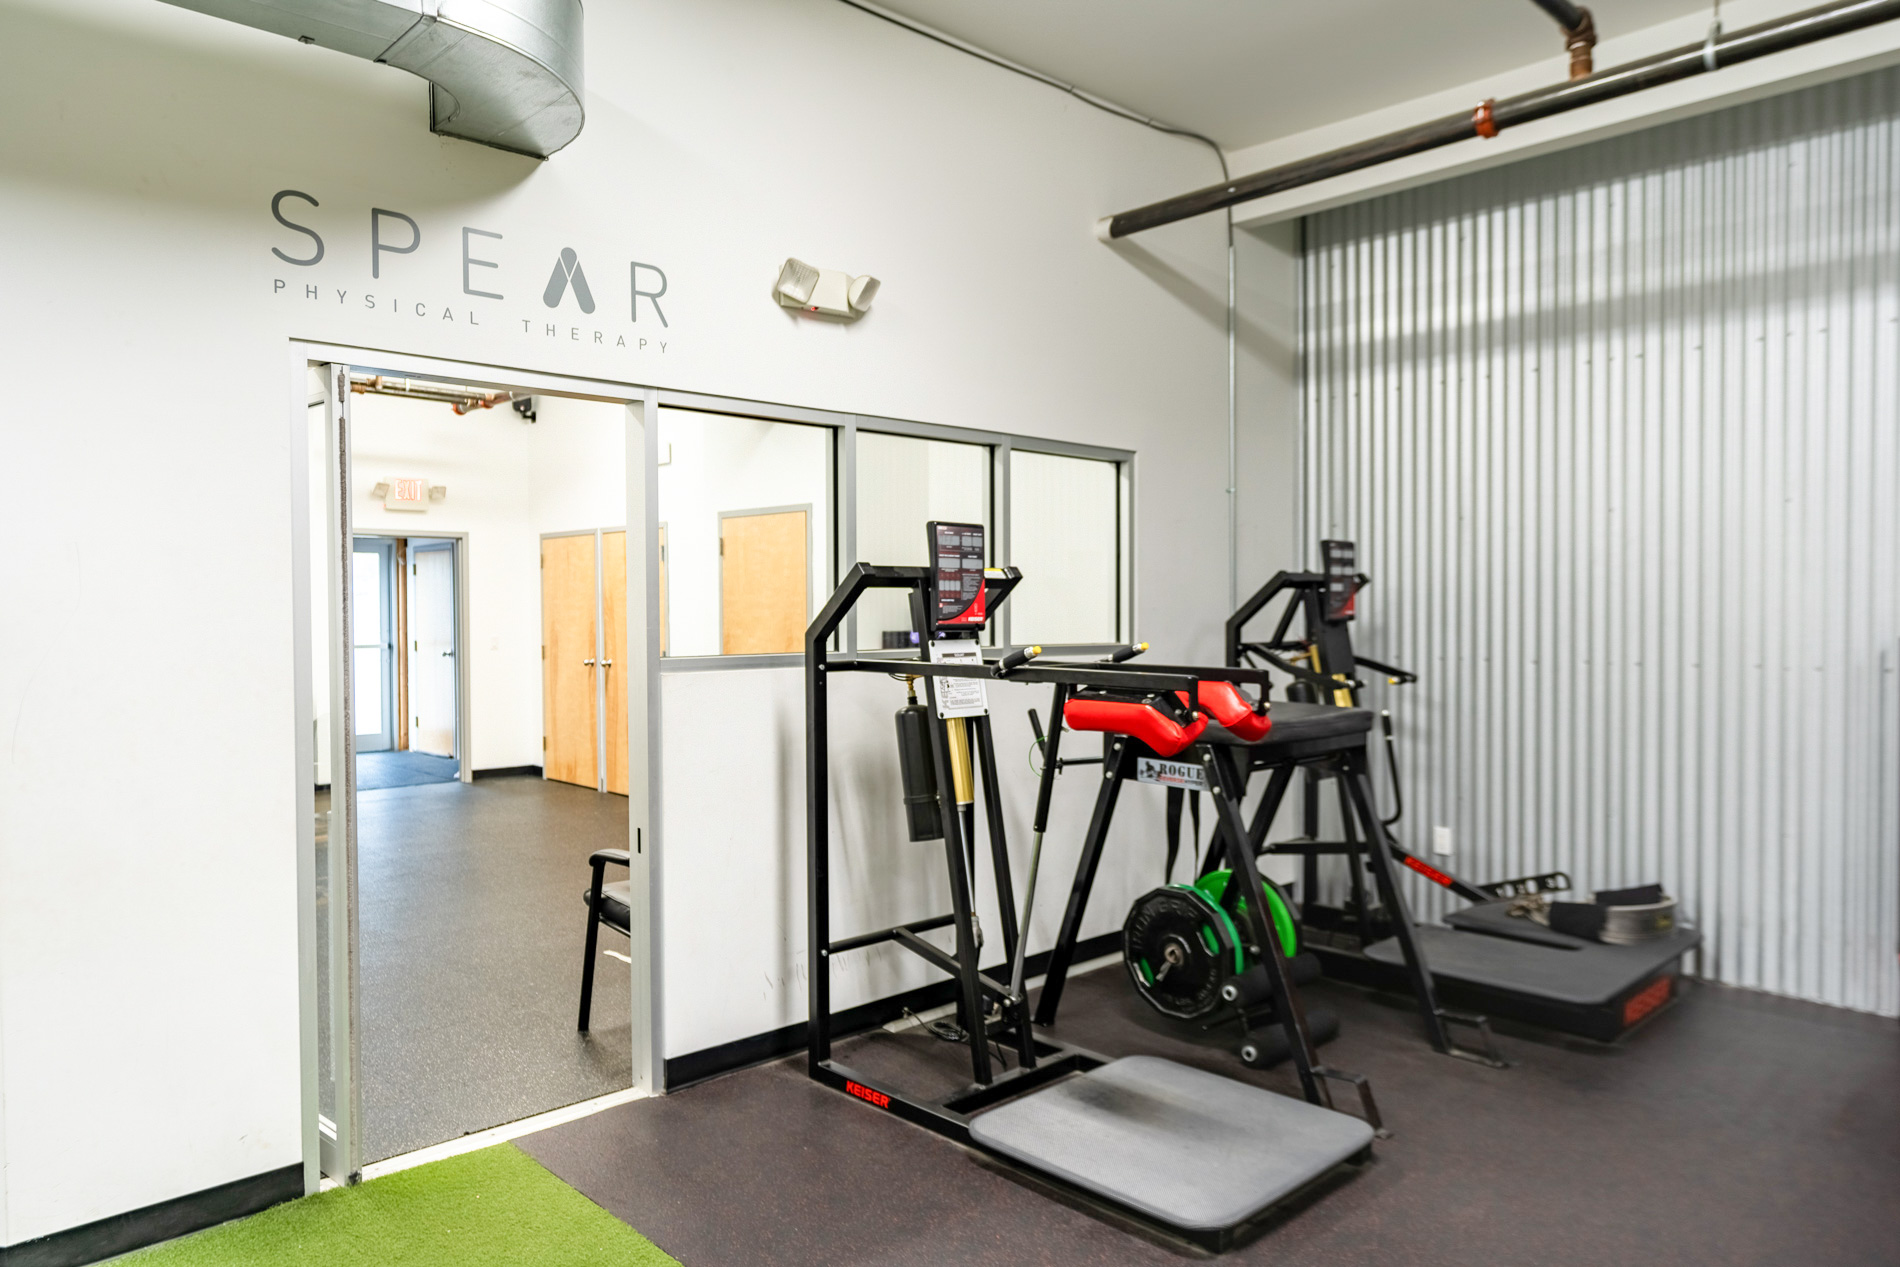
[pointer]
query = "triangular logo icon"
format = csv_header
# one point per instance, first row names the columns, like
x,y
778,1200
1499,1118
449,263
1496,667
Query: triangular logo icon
x,y
567,270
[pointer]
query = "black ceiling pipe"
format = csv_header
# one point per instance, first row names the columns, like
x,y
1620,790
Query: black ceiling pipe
x,y
1492,117
1563,13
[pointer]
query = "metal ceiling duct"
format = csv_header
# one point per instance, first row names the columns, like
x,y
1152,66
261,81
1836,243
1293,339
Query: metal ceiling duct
x,y
505,73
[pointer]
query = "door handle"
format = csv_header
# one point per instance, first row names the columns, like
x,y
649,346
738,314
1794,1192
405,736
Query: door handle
x,y
588,663
606,664
448,653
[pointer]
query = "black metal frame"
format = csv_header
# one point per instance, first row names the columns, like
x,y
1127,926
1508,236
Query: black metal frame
x,y
1226,774
1040,1060
1340,934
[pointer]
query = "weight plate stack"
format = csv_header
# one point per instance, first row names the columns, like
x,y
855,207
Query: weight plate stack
x,y
1179,948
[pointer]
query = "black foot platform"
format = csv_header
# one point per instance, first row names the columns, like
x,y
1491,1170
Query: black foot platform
x,y
1587,988
1191,1150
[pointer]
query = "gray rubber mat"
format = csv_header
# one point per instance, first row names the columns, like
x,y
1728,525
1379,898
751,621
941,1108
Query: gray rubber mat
x,y
1187,1148
1588,975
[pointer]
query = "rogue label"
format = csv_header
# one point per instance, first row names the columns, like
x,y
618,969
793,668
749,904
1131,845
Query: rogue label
x,y
1186,774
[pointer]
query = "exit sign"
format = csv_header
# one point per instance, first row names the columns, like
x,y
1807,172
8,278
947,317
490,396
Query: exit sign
x,y
407,494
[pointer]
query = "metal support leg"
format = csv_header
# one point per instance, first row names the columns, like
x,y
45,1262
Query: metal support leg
x,y
1269,808
1223,778
593,941
1062,955
1309,827
1353,773
1355,865
971,992
1177,799
983,744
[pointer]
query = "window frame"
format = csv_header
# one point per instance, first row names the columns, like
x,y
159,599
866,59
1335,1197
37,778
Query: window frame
x,y
842,529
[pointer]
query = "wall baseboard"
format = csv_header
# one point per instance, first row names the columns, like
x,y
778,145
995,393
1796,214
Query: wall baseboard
x,y
123,1233
710,1062
507,772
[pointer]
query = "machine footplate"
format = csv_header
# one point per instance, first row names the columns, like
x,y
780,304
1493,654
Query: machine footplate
x,y
1189,1149
1590,975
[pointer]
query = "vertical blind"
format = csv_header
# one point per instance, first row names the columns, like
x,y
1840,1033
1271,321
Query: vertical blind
x,y
1617,431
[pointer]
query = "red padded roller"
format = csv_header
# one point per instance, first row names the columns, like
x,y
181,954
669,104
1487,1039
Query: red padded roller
x,y
1225,704
1138,721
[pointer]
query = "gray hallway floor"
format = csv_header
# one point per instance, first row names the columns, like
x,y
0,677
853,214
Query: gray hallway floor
x,y
378,770
472,928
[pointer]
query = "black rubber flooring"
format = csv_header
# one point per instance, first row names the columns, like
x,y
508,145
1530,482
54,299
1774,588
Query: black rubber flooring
x,y
1734,1128
472,929
378,770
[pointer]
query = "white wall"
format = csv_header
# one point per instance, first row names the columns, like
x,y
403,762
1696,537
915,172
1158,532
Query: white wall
x,y
143,147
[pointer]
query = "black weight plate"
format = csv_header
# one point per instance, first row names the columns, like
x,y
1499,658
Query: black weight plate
x,y
1177,953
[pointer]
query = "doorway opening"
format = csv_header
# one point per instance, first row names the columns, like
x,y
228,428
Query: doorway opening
x,y
406,660
453,860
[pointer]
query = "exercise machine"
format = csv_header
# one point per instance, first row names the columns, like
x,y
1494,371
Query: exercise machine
x,y
1595,969
1194,1153
1185,947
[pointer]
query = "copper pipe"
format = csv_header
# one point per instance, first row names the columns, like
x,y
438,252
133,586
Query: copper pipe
x,y
1581,40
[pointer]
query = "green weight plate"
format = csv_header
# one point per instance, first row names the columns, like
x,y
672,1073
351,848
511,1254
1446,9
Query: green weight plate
x,y
1214,885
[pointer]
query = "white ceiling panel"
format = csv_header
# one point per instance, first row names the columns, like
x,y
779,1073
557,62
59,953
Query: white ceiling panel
x,y
1245,73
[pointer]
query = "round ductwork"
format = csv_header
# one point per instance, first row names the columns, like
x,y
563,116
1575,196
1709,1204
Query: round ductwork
x,y
506,73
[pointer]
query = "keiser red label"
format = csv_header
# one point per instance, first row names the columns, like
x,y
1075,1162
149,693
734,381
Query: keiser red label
x,y
1645,1001
865,1093
1428,871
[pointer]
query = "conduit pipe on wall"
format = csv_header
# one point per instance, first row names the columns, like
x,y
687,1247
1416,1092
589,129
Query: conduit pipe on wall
x,y
505,73
1492,117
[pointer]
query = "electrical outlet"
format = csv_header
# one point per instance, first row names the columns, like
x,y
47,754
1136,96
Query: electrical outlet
x,y
1441,841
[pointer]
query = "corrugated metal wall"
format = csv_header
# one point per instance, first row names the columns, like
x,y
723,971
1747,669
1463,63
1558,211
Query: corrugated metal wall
x,y
1617,433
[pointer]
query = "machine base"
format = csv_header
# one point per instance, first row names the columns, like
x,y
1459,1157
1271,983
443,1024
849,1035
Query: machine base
x,y
1192,1151
1593,990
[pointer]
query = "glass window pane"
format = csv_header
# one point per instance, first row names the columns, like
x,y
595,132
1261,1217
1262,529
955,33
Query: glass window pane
x,y
369,690
745,505
903,484
1065,536
366,597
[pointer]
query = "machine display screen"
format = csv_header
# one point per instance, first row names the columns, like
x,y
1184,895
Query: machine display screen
x,y
956,555
1342,578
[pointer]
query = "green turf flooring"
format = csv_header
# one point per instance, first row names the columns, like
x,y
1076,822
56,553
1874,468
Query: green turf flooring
x,y
496,1206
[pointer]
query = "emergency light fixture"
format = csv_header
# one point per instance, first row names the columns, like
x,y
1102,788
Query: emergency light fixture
x,y
825,291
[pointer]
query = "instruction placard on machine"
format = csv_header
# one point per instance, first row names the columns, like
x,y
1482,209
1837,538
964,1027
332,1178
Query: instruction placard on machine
x,y
959,696
1186,774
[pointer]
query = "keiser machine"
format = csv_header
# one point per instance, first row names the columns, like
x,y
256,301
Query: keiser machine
x,y
1194,1153
1595,969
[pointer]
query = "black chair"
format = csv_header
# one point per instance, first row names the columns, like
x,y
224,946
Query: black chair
x,y
608,903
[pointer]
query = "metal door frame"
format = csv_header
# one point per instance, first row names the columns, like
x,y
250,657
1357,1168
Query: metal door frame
x,y
385,549
334,1149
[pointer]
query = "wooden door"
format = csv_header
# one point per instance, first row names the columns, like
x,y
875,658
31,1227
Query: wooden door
x,y
618,670
432,650
568,651
764,585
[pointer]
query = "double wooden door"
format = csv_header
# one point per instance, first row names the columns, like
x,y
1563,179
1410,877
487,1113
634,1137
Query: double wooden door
x,y
584,659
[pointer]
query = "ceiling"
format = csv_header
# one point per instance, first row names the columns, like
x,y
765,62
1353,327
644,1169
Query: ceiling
x,y
1247,71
